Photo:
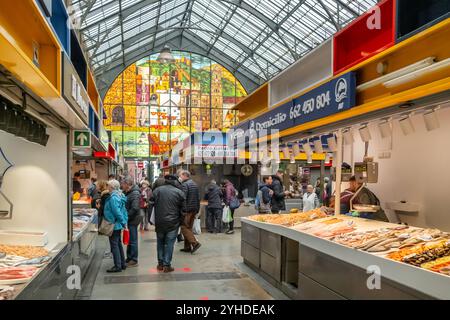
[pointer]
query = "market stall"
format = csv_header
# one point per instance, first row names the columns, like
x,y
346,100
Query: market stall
x,y
386,119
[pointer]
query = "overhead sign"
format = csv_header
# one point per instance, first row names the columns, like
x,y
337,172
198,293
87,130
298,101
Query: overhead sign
x,y
332,97
74,91
214,151
81,139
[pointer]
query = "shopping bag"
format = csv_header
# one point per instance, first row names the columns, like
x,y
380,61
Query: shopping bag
x,y
197,227
152,217
226,215
126,237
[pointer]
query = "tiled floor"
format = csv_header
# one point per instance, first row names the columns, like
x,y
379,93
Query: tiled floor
x,y
215,271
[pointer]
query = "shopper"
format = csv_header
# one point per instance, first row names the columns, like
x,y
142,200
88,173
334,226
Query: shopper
x,y
230,195
115,212
192,193
144,203
327,191
214,209
264,196
279,194
76,185
100,196
160,181
310,199
135,218
92,188
111,177
170,202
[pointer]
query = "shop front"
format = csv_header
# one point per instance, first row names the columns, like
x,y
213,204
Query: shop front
x,y
385,233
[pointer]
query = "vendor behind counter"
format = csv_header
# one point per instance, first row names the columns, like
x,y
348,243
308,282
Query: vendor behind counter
x,y
364,197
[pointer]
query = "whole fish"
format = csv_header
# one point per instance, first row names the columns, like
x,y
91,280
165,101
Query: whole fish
x,y
36,261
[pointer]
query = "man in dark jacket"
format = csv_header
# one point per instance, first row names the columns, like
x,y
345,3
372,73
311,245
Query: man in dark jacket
x,y
266,195
169,202
192,193
279,194
135,218
214,210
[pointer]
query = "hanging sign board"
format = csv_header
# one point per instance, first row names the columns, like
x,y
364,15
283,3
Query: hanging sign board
x,y
330,98
81,139
73,90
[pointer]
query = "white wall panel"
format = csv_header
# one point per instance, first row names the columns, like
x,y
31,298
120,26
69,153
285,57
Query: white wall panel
x,y
306,72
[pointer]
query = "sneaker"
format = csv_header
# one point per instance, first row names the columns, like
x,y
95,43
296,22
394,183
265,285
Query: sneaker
x,y
114,270
168,269
230,232
124,268
132,264
196,247
185,250
159,267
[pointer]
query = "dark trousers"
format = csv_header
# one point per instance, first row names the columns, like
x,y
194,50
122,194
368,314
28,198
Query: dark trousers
x,y
115,240
165,242
186,230
132,248
146,220
231,224
214,220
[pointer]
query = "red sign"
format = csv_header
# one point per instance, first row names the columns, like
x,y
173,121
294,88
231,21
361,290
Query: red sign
x,y
140,165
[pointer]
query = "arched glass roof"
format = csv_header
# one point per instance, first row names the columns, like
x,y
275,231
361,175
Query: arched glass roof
x,y
254,39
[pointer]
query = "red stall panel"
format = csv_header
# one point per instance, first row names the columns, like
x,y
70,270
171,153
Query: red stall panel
x,y
368,35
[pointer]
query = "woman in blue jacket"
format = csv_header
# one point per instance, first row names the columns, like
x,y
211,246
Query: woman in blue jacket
x,y
115,212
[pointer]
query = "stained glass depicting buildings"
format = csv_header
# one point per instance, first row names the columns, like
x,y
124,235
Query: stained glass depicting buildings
x,y
152,106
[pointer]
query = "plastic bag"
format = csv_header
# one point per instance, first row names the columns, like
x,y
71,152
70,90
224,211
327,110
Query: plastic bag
x,y
152,217
226,215
126,237
197,227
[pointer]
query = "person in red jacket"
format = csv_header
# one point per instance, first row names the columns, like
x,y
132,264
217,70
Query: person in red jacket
x,y
229,193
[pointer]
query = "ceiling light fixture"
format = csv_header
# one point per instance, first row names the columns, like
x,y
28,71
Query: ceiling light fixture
x,y
385,129
396,74
407,126
348,137
431,120
365,134
165,55
410,76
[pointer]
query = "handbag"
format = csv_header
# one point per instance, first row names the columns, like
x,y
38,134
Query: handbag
x,y
197,228
235,203
106,228
126,237
152,217
226,215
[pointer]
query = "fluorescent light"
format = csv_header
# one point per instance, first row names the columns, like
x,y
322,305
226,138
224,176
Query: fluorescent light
x,y
407,126
398,73
296,149
348,137
332,144
309,158
318,148
385,129
365,134
417,74
431,121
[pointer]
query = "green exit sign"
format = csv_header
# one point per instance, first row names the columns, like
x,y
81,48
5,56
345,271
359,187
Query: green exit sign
x,y
81,139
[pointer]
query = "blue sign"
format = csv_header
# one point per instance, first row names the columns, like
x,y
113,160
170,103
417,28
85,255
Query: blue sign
x,y
332,97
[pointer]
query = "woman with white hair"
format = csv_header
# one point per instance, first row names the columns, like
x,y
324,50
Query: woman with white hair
x,y
310,199
115,212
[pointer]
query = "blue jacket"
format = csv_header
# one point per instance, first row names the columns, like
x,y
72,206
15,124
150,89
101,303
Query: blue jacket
x,y
115,210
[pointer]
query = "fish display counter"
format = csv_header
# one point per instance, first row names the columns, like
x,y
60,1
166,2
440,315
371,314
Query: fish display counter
x,y
315,256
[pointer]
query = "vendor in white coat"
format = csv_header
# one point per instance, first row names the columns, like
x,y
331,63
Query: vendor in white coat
x,y
310,199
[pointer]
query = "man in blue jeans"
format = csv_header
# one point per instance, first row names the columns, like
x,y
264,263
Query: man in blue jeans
x,y
135,218
170,202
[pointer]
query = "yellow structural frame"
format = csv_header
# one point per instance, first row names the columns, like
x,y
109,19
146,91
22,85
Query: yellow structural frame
x,y
386,100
